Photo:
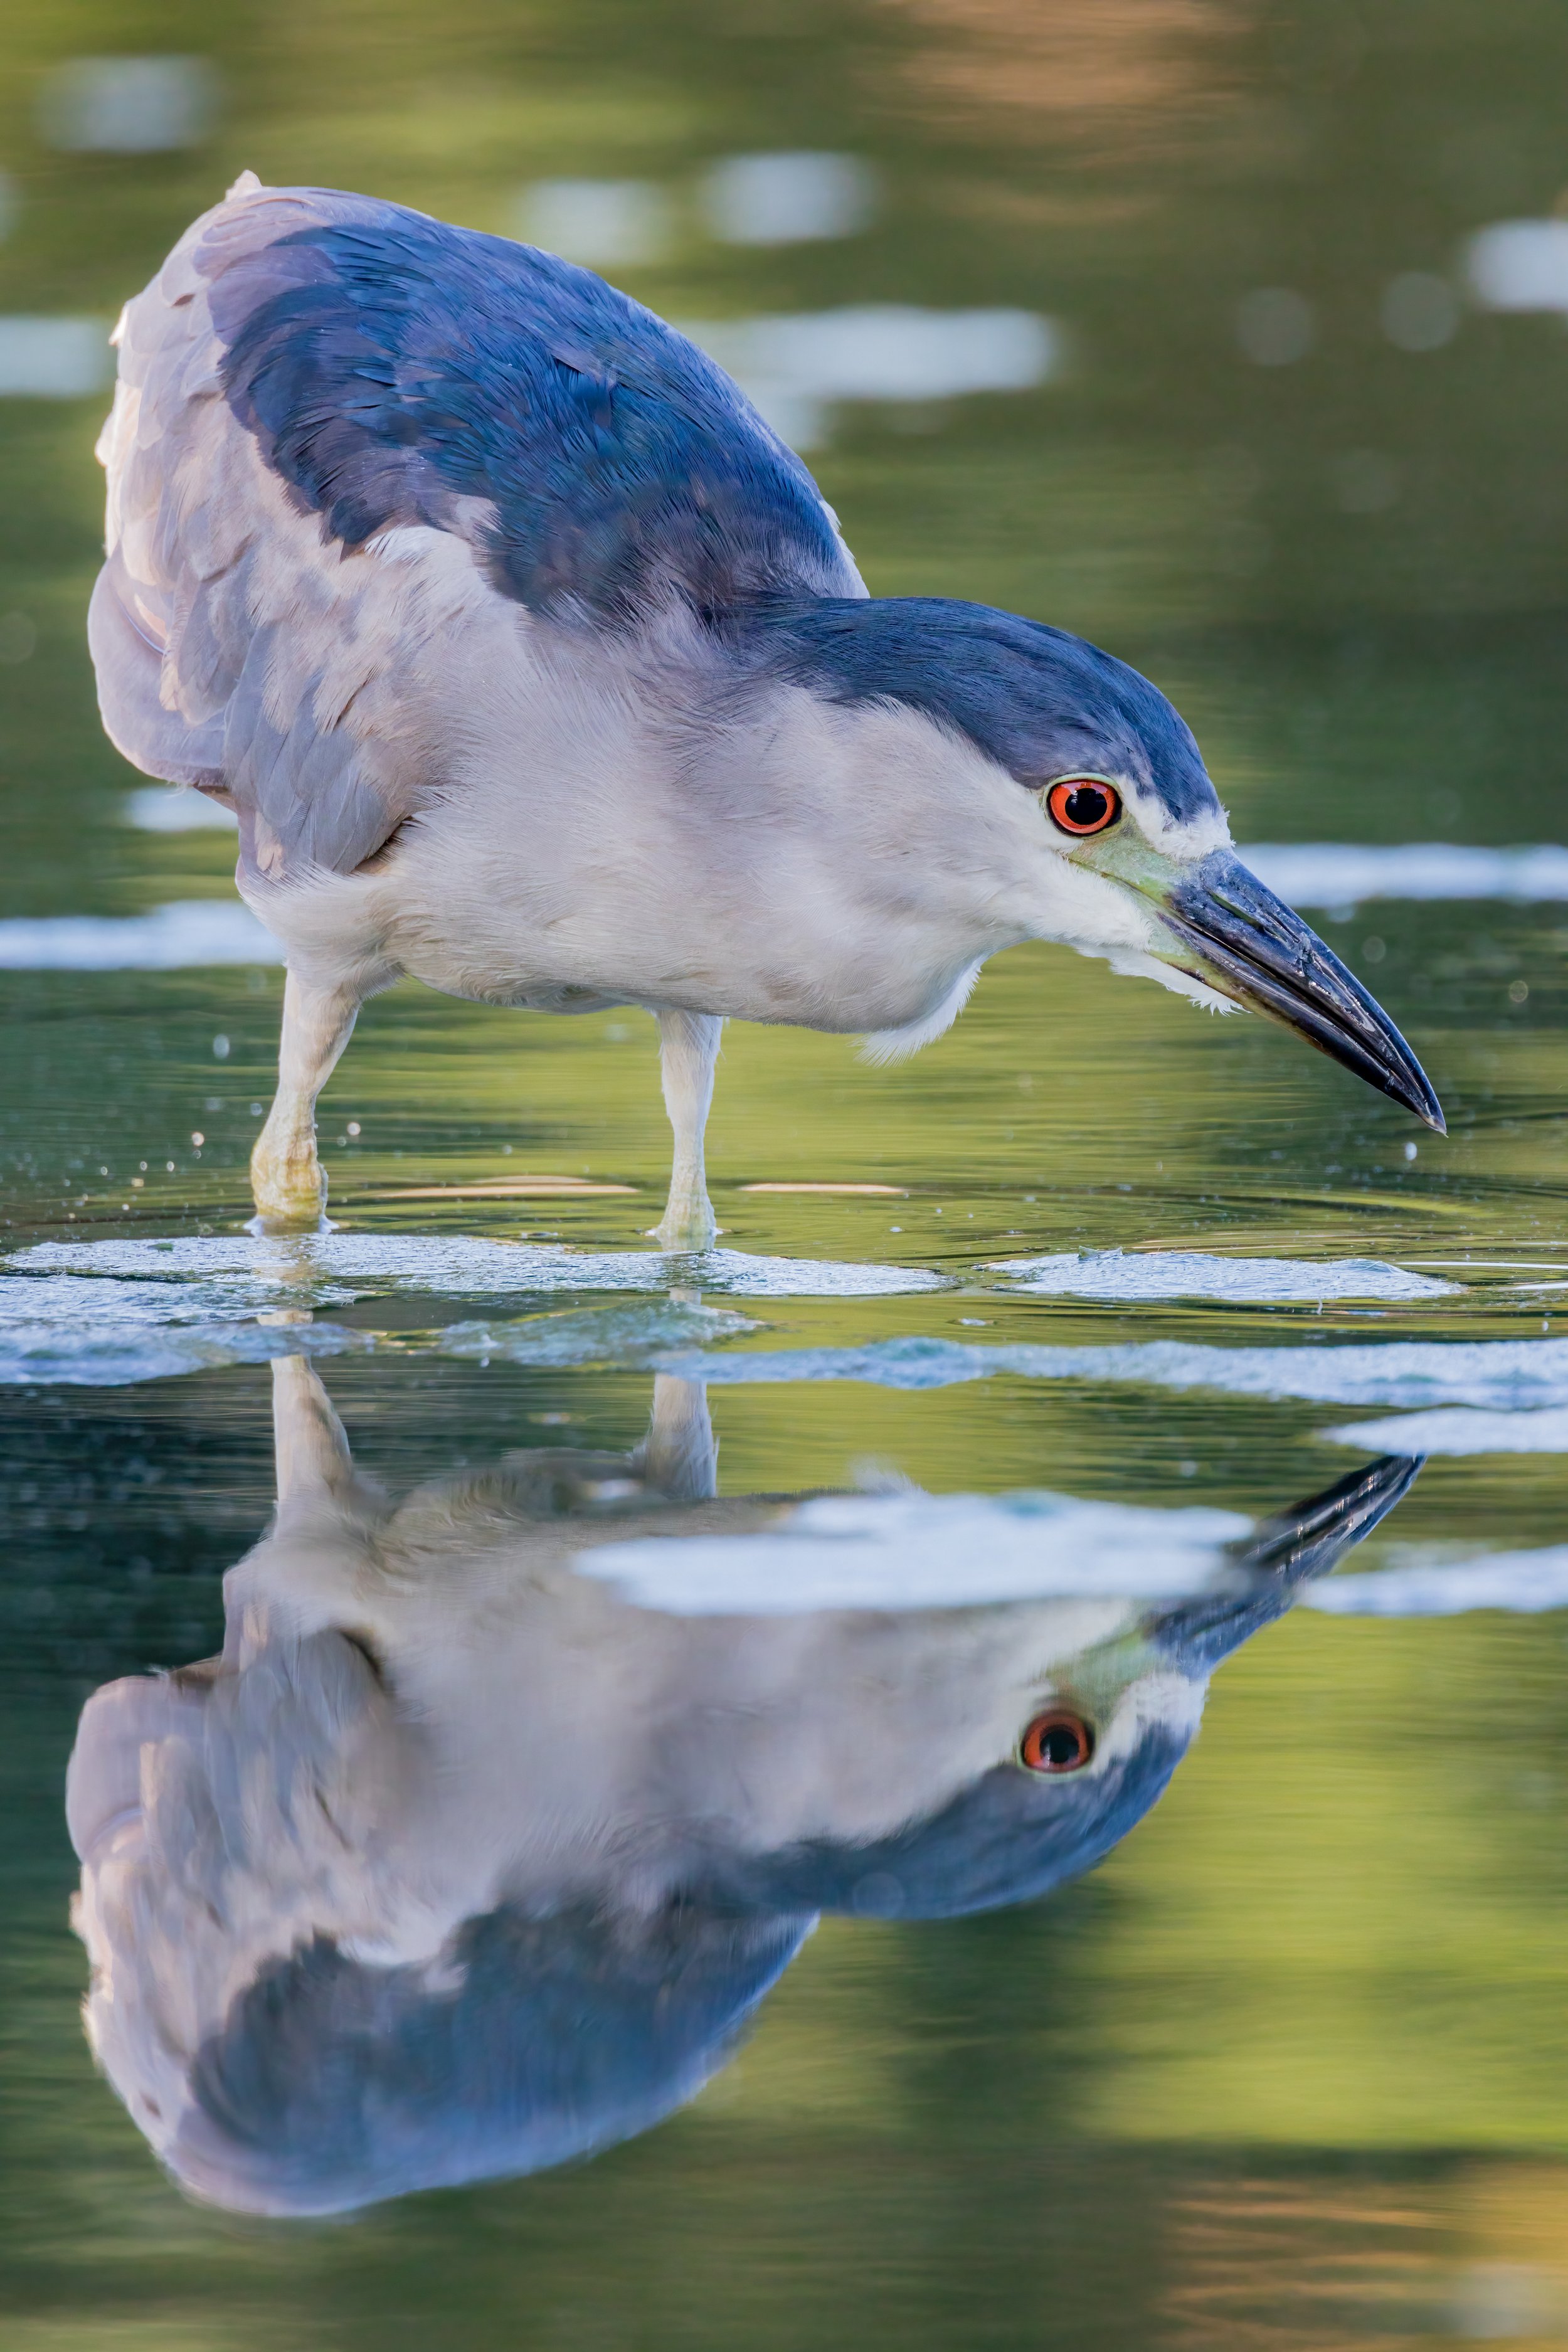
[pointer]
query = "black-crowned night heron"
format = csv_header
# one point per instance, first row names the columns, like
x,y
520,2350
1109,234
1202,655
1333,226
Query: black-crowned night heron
x,y
532,664
463,1858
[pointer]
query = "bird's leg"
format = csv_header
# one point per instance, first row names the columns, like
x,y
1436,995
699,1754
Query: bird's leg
x,y
286,1177
310,1446
681,1454
689,1048
315,1472
321,1498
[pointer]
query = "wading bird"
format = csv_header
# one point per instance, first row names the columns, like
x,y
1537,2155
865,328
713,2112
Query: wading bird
x,y
507,1801
532,664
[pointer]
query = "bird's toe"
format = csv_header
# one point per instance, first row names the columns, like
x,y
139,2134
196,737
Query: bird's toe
x,y
684,1230
287,1192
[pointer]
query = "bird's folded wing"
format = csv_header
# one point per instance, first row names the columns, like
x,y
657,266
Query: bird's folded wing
x,y
343,432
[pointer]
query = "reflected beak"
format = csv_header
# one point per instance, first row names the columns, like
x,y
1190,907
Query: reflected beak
x,y
1242,941
1288,1550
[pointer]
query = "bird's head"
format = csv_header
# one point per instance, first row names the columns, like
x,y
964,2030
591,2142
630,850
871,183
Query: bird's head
x,y
1056,1725
1132,858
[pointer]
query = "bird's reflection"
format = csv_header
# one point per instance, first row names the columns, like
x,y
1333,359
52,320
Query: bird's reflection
x,y
504,1804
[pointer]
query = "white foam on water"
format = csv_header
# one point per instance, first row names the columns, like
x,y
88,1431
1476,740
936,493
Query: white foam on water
x,y
85,1329
1343,874
61,1331
1519,264
1500,1375
49,1355
54,359
289,1269
787,199
191,932
1199,1274
88,1300
177,808
1520,1581
208,1279
1459,1429
102,1331
798,368
906,1363
128,105
743,1276
925,1552
627,1337
57,1355
69,1284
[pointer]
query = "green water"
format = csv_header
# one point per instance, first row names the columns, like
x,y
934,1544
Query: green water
x,y
1291,2069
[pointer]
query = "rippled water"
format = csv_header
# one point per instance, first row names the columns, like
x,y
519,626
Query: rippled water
x,y
1072,1367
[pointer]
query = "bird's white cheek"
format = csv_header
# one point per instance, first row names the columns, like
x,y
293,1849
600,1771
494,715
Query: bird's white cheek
x,y
1162,1701
1101,917
1135,965
1080,908
1182,840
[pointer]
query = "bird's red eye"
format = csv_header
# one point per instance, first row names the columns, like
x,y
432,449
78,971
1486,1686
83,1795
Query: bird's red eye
x,y
1058,1741
1083,804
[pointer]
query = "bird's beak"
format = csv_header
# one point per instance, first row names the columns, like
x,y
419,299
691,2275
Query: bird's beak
x,y
1285,1552
1242,941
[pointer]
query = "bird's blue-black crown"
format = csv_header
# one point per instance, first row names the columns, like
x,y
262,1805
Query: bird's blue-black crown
x,y
1038,701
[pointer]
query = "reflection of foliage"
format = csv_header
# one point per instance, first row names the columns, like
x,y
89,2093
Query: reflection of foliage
x,y
1371,1952
1136,73
1317,2261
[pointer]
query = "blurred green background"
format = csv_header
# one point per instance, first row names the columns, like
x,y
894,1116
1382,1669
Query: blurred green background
x,y
1347,564
1291,2070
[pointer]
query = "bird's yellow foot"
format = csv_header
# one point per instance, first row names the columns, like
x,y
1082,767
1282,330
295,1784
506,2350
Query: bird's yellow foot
x,y
288,1186
685,1225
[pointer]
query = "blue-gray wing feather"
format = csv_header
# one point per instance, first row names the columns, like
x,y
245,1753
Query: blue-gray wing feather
x,y
311,370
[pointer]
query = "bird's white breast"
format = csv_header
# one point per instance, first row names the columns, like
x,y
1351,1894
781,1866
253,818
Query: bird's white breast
x,y
620,827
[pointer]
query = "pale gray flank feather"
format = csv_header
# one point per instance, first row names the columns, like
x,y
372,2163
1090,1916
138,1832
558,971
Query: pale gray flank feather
x,y
235,651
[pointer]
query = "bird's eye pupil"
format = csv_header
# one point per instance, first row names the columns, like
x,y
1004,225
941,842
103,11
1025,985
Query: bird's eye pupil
x,y
1057,1742
1081,804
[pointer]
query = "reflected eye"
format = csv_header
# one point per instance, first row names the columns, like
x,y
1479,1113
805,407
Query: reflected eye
x,y
1057,1742
1083,804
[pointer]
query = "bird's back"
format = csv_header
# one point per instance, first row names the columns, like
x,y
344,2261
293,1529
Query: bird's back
x,y
344,431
